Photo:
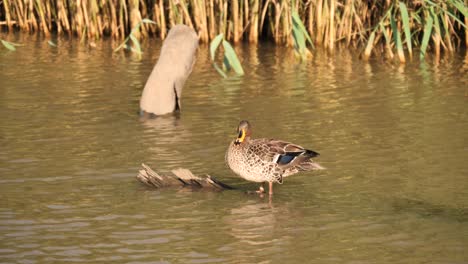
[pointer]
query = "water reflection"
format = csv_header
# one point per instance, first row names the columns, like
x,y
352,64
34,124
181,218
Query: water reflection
x,y
425,209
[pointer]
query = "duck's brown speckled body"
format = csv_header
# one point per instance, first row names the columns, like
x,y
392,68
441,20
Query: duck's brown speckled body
x,y
267,160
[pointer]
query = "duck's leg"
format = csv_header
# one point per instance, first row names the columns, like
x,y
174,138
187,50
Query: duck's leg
x,y
261,189
270,188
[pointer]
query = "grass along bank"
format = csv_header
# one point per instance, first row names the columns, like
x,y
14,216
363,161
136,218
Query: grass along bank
x,y
383,28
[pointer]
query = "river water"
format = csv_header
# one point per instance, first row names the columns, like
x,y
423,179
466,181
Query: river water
x,y
393,138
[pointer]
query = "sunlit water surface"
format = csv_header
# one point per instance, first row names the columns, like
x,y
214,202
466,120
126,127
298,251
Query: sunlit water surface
x,y
393,138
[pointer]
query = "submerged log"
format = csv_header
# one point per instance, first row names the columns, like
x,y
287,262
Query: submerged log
x,y
180,178
163,90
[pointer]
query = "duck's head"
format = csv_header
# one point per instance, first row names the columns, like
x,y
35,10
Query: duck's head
x,y
244,130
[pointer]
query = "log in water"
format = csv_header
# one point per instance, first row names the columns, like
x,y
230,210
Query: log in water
x,y
180,178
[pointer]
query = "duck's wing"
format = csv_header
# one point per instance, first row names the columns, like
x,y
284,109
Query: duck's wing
x,y
281,152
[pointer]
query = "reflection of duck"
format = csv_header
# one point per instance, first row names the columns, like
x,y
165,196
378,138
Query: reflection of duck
x,y
258,226
267,160
252,223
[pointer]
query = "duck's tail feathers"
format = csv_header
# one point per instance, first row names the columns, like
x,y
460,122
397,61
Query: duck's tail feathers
x,y
310,153
307,166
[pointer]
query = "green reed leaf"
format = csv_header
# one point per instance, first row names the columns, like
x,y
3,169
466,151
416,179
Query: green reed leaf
x,y
8,45
388,40
299,42
462,8
51,43
148,21
397,39
214,45
436,22
426,36
406,27
297,23
136,43
370,45
232,59
219,70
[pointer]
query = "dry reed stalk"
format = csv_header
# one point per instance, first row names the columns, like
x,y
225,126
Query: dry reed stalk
x,y
436,40
253,32
98,18
325,24
344,29
204,21
388,44
18,17
123,17
135,17
78,19
196,17
226,27
40,11
466,31
31,16
114,28
246,15
331,37
447,39
241,20
6,7
58,21
310,21
200,19
156,18
211,20
284,23
87,24
21,16
235,20
48,15
93,26
211,23
264,11
144,14
187,19
288,26
163,30
278,10
319,26
171,14
63,16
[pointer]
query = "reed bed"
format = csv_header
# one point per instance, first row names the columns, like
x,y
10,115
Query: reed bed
x,y
377,27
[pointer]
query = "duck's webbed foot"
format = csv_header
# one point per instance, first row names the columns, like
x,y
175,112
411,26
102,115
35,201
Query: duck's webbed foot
x,y
261,189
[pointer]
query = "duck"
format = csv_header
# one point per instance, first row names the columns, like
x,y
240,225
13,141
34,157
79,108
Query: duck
x,y
267,160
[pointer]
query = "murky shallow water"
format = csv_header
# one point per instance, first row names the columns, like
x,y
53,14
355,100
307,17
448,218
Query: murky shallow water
x,y
393,139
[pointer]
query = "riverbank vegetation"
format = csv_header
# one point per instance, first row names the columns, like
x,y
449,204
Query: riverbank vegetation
x,y
383,28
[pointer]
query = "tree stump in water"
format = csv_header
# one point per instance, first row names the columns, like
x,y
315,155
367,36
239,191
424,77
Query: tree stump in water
x,y
163,90
180,178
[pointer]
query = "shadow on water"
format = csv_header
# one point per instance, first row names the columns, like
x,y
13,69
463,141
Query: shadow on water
x,y
429,210
170,121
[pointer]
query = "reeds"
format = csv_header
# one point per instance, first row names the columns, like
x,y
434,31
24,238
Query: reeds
x,y
230,59
377,27
419,23
133,37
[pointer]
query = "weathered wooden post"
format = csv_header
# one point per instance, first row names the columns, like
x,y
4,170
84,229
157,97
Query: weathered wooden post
x,y
163,90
